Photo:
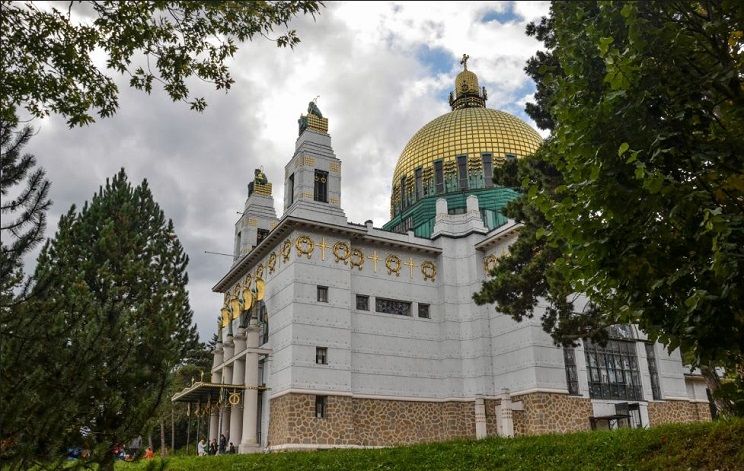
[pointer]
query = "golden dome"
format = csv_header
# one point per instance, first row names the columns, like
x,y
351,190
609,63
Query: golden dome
x,y
466,82
470,131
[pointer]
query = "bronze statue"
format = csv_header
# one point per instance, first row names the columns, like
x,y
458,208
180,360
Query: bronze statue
x,y
260,177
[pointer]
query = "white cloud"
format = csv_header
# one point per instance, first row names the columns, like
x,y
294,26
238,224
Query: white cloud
x,y
360,57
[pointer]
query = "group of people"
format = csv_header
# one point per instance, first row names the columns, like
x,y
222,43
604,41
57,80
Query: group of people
x,y
215,448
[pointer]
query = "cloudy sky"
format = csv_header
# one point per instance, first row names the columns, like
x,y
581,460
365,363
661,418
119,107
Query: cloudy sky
x,y
381,70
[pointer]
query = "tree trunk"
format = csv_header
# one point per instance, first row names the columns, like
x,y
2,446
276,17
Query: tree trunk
x,y
163,451
713,381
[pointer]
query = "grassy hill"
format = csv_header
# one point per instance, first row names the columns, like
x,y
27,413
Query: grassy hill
x,y
709,446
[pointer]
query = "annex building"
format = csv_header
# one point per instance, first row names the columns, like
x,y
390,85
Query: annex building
x,y
334,334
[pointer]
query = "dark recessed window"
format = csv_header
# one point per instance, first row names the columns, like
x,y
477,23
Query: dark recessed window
x,y
419,185
322,294
653,371
320,406
290,190
321,186
438,176
613,370
462,171
321,355
392,306
262,233
487,170
423,310
362,302
572,378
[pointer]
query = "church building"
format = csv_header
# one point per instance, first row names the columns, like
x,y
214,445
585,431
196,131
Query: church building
x,y
340,335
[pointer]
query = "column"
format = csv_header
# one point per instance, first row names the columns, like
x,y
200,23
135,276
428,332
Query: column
x,y
249,444
238,379
227,372
507,423
219,356
481,431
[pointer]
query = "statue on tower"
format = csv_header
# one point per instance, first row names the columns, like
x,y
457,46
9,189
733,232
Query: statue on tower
x,y
259,176
312,107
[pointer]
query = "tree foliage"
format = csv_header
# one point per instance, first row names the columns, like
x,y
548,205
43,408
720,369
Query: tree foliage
x,y
24,200
640,201
112,313
48,63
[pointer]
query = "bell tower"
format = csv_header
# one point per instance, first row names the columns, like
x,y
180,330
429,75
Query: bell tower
x,y
312,187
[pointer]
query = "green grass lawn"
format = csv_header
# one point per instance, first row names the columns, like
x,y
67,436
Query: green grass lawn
x,y
708,446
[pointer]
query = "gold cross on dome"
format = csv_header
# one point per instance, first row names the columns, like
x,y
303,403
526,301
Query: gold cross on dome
x,y
464,61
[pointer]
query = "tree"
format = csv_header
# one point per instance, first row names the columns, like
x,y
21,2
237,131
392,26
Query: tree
x,y
48,65
23,209
108,323
646,217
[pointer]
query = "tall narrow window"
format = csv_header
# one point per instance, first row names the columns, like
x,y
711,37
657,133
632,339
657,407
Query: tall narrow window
x,y
321,355
320,406
403,193
439,176
423,310
572,378
262,233
290,190
321,186
487,170
322,294
462,171
419,184
653,371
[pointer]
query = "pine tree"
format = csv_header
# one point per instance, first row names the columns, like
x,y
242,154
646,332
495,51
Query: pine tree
x,y
23,209
112,322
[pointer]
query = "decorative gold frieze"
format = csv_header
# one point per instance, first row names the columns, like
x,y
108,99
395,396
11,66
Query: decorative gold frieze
x,y
392,262
305,246
333,200
272,225
259,271
323,246
335,167
252,222
374,259
317,123
286,249
341,252
489,263
272,262
356,258
263,189
309,161
308,196
429,270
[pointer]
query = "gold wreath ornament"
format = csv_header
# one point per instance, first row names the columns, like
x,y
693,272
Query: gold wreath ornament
x,y
305,246
286,249
392,262
356,258
429,270
341,252
272,262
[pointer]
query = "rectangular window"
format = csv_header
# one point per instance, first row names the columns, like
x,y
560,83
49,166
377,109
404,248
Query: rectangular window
x,y
290,190
487,170
262,233
438,176
362,302
572,378
321,355
613,371
510,157
419,184
392,306
322,294
403,193
321,186
320,406
462,171
423,311
653,371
